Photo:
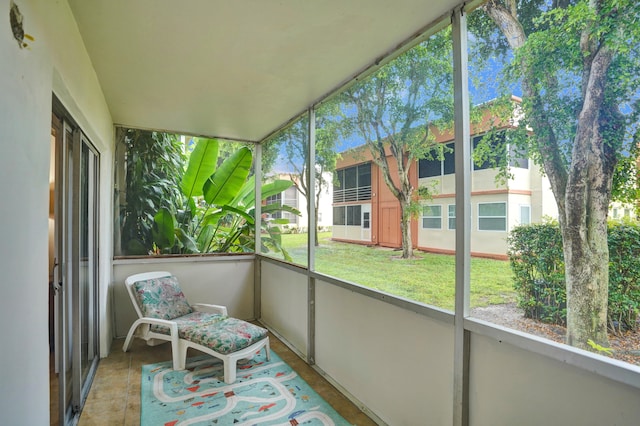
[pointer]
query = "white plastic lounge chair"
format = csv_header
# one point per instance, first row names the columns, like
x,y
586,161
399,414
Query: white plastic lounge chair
x,y
165,315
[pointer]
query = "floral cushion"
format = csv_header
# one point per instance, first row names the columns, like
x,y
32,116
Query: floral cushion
x,y
161,298
225,335
193,319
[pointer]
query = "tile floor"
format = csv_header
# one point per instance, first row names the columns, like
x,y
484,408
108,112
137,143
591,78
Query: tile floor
x,y
114,398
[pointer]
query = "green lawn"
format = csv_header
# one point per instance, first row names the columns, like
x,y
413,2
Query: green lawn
x,y
429,279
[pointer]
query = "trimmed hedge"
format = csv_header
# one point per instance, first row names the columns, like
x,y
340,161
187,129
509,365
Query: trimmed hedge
x,y
537,261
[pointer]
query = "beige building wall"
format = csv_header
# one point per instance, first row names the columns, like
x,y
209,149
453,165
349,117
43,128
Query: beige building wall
x,y
488,242
522,179
439,239
492,243
543,202
515,215
484,180
528,199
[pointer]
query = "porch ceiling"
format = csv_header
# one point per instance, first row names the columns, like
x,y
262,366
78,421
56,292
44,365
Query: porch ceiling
x,y
236,69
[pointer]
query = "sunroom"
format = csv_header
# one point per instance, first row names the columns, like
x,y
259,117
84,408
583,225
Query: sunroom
x,y
76,72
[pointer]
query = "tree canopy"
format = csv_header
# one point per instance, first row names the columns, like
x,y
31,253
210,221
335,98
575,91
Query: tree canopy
x,y
395,111
577,64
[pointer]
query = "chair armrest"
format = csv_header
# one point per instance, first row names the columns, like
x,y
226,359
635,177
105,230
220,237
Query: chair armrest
x,y
206,307
173,326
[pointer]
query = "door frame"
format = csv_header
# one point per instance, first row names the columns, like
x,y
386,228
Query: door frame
x,y
70,141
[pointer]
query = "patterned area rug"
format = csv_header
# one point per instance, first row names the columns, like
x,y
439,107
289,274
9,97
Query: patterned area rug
x,y
265,393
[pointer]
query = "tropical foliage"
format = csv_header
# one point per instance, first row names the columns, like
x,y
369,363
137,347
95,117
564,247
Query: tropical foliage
x,y
212,209
149,167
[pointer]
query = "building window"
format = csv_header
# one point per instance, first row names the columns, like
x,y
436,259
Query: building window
x,y
353,184
492,216
432,217
448,163
275,199
437,167
287,198
366,220
497,149
500,152
516,159
525,215
354,217
429,168
348,215
339,217
452,216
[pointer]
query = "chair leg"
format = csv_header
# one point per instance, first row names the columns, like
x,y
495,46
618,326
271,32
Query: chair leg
x,y
179,353
229,371
267,350
127,341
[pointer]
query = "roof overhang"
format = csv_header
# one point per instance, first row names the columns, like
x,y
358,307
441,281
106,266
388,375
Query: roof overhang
x,y
237,69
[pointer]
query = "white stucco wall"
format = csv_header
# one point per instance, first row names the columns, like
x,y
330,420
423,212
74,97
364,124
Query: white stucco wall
x,y
224,280
55,61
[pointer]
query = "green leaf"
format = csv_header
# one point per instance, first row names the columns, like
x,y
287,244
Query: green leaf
x,y
247,194
275,187
187,242
279,221
206,237
223,186
246,216
202,164
163,228
270,208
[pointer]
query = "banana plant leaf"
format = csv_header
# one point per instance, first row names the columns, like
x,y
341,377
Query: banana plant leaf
x,y
202,164
267,190
275,187
246,193
205,238
187,242
246,216
163,228
270,208
225,183
279,221
273,242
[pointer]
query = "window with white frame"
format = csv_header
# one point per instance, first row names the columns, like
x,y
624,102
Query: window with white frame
x,y
366,220
432,216
451,208
492,216
289,197
525,214
339,215
352,184
354,217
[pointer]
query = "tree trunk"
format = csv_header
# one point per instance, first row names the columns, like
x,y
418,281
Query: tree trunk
x,y
587,196
405,228
582,191
586,257
316,241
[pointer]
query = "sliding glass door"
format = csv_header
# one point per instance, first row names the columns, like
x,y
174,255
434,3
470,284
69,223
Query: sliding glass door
x,y
76,274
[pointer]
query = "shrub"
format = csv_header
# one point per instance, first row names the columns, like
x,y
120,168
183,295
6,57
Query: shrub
x,y
624,276
537,260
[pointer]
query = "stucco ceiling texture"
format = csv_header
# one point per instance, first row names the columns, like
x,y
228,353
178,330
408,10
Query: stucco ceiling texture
x,y
237,68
